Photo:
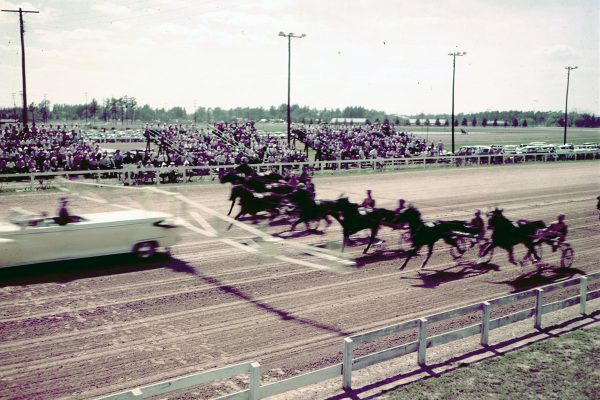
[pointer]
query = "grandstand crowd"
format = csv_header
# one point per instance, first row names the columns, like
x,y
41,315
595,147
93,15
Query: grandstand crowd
x,y
60,148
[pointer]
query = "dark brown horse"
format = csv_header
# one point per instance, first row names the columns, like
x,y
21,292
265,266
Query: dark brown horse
x,y
507,234
427,234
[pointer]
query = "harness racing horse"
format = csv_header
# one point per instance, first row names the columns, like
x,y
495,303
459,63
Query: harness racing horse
x,y
354,218
249,172
428,234
254,184
310,210
253,203
506,234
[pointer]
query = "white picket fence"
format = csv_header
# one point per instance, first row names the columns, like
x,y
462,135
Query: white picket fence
x,y
349,364
156,175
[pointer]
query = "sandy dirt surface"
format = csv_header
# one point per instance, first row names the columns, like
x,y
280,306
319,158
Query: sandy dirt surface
x,y
86,328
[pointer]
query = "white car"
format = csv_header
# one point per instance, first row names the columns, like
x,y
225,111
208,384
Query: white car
x,y
28,238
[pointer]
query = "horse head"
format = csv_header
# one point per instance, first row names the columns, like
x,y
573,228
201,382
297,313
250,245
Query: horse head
x,y
244,169
231,177
410,214
496,218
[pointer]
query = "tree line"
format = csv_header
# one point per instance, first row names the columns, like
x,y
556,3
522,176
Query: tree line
x,y
127,110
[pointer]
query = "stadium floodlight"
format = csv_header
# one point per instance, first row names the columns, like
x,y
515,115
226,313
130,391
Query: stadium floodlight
x,y
568,68
454,55
289,109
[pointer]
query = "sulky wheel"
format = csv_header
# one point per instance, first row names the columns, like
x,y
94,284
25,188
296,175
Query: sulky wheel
x,y
488,257
566,257
460,248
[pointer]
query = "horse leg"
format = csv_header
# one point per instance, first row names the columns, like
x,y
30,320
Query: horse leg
x,y
294,224
484,253
371,239
430,250
511,256
235,218
231,208
413,252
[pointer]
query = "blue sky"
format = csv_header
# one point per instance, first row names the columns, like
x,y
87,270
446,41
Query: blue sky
x,y
386,55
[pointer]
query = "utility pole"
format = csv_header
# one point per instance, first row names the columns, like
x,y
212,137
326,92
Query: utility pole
x,y
86,109
289,109
454,54
14,105
21,11
195,119
567,102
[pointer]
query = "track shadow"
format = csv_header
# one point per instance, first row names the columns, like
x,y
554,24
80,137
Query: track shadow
x,y
71,270
545,274
431,279
284,315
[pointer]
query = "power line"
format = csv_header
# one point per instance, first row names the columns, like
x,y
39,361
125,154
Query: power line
x,y
21,11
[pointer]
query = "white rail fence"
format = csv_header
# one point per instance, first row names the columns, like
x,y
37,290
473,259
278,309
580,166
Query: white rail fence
x,y
131,175
349,364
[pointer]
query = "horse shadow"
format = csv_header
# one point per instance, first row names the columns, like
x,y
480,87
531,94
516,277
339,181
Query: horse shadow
x,y
93,267
379,255
544,274
431,279
288,234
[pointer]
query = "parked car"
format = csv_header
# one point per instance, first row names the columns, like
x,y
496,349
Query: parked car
x,y
565,152
29,238
510,149
587,151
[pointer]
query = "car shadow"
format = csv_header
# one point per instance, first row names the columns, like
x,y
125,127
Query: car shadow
x,y
71,270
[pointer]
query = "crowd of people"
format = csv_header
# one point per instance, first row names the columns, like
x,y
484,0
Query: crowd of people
x,y
360,142
59,148
45,149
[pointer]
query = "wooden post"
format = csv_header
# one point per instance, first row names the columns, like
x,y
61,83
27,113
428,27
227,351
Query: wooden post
x,y
583,294
422,347
485,324
538,308
254,381
347,365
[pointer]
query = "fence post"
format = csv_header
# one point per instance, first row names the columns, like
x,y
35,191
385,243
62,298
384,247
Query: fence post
x,y
347,365
254,381
583,294
485,324
422,347
539,299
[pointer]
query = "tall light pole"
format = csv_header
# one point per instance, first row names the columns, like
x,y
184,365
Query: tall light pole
x,y
22,30
289,110
454,55
567,101
86,108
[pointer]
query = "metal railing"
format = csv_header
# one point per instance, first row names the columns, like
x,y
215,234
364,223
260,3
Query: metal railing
x,y
131,175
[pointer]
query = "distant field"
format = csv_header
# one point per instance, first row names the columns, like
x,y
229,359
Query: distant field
x,y
500,135
487,135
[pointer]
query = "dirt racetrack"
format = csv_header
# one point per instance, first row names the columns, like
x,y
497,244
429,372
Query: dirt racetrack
x,y
86,328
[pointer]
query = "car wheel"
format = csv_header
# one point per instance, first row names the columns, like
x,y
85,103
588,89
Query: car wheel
x,y
145,250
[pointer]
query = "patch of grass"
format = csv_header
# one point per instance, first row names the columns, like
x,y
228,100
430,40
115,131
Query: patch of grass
x,y
566,367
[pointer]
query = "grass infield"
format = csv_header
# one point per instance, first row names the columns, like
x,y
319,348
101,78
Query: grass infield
x,y
565,367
